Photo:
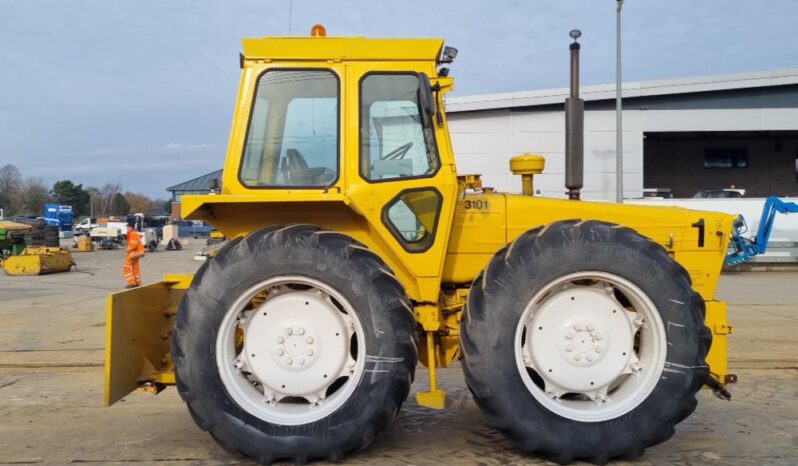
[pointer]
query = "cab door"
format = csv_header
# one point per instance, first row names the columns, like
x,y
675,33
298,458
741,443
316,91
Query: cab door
x,y
403,182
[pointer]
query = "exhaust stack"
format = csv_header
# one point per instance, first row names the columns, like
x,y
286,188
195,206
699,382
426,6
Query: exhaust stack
x,y
574,127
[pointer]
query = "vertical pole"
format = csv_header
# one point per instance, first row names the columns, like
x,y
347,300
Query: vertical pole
x,y
618,111
290,14
574,127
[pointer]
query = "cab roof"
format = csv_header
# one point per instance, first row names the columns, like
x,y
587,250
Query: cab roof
x,y
341,48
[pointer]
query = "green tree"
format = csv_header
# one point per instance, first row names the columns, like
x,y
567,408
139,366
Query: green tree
x,y
119,205
66,192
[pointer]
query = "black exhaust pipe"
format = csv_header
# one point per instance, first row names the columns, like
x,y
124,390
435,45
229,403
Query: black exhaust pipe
x,y
574,127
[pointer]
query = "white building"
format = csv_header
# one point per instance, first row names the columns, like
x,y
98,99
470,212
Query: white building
x,y
684,135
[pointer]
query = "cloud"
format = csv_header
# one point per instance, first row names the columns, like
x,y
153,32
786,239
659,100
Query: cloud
x,y
146,169
170,150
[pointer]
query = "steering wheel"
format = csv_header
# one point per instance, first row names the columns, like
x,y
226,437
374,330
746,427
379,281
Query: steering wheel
x,y
398,153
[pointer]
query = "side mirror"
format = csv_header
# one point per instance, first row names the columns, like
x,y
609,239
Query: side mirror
x,y
425,98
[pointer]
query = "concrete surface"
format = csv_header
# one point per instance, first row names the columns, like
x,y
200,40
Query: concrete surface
x,y
51,375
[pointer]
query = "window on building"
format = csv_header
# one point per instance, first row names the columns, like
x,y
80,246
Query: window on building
x,y
726,157
396,136
292,139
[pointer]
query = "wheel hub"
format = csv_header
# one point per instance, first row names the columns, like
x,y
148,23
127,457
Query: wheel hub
x,y
295,348
584,355
295,357
296,344
580,340
583,343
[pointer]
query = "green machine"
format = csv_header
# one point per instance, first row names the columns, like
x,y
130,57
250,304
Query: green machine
x,y
12,238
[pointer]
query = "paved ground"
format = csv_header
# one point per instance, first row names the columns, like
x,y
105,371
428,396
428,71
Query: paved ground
x,y
51,356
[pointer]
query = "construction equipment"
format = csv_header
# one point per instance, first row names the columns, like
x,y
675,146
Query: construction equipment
x,y
356,251
12,238
110,237
149,234
38,260
744,249
83,243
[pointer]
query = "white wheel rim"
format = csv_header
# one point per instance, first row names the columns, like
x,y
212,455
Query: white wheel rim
x,y
297,362
585,356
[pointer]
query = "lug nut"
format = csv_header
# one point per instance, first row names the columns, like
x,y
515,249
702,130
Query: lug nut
x,y
577,357
596,336
579,327
301,331
590,327
569,347
570,334
280,339
309,340
280,352
289,331
589,357
309,352
598,348
289,361
301,361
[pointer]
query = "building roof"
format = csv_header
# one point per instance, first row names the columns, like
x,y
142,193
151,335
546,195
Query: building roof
x,y
631,89
200,183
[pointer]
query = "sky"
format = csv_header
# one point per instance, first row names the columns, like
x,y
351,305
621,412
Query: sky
x,y
142,92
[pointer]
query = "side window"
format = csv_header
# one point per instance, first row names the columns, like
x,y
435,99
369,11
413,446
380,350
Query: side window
x,y
396,137
292,138
412,217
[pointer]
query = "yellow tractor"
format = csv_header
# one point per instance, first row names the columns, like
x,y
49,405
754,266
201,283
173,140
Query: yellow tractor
x,y
584,329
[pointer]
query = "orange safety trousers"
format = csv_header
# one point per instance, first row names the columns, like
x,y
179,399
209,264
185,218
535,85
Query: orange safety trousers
x,y
135,251
132,270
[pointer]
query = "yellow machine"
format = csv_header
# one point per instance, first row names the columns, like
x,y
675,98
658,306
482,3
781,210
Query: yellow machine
x,y
584,329
38,260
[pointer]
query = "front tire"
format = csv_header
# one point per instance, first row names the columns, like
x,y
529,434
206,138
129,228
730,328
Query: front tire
x,y
295,344
597,342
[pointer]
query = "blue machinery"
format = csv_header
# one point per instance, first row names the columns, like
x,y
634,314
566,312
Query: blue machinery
x,y
747,248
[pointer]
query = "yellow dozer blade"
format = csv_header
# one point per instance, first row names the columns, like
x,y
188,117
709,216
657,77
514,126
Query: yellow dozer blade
x,y
38,260
138,336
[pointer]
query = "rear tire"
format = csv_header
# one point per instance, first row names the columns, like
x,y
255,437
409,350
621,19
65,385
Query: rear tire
x,y
250,411
533,287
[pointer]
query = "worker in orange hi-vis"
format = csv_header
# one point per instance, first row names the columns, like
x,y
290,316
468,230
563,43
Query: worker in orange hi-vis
x,y
135,251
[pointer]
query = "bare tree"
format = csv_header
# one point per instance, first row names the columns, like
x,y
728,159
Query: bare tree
x,y
10,179
31,196
140,203
101,198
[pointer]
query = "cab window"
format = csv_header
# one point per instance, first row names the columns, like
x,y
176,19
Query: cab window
x,y
412,218
292,137
396,136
